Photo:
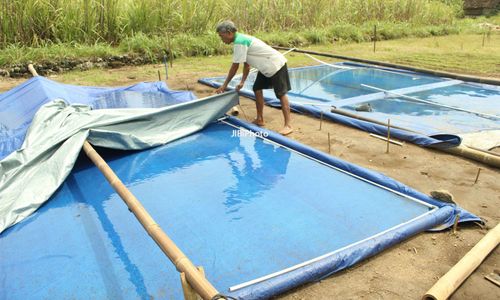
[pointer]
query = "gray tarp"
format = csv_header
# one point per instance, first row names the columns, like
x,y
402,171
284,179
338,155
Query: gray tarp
x,y
30,175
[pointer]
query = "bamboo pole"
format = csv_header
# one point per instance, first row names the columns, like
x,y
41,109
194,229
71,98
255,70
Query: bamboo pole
x,y
385,139
32,70
477,155
447,284
194,277
199,283
461,150
355,116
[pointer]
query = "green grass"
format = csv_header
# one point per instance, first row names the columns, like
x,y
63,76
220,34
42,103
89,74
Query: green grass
x,y
455,53
182,44
35,22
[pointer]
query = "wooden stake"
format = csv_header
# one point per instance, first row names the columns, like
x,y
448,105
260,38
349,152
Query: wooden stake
x,y
447,284
388,134
166,67
477,176
32,70
455,224
320,120
159,76
200,284
329,144
374,36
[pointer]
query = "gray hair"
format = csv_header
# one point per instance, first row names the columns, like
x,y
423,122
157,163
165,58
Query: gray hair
x,y
226,26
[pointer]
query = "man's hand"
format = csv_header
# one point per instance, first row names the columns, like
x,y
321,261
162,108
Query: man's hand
x,y
220,90
239,86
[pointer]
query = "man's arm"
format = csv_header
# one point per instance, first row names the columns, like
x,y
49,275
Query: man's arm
x,y
246,70
230,75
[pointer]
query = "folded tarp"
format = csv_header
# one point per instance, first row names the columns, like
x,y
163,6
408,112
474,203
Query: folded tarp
x,y
30,175
19,105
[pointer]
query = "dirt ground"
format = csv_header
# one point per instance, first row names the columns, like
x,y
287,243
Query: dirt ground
x,y
409,269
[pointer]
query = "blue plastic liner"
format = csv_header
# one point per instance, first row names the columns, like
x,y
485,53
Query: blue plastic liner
x,y
338,260
356,170
426,110
242,207
419,139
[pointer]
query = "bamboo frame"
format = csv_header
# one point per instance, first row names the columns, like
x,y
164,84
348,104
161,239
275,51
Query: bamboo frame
x,y
195,278
447,284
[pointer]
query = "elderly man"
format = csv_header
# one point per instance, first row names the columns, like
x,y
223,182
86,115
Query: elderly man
x,y
270,63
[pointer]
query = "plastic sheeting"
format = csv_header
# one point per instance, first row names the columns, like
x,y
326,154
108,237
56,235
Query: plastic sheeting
x,y
268,214
19,105
31,174
433,111
237,204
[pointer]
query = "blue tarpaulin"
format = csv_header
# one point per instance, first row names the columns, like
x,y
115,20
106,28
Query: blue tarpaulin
x,y
260,212
423,109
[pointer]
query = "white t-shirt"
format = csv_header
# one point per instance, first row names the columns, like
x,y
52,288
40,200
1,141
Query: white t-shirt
x,y
257,54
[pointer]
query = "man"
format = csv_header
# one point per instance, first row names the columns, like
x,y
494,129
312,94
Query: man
x,y
270,63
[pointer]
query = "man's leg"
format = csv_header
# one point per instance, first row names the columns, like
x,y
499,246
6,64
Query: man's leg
x,y
285,108
259,104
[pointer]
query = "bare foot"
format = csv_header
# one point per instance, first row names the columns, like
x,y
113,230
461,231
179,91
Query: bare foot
x,y
286,130
258,122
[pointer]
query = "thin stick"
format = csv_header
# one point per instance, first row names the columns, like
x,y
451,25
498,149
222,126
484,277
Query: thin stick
x,y
455,224
477,175
385,139
388,134
199,283
374,36
159,76
321,120
166,66
329,144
